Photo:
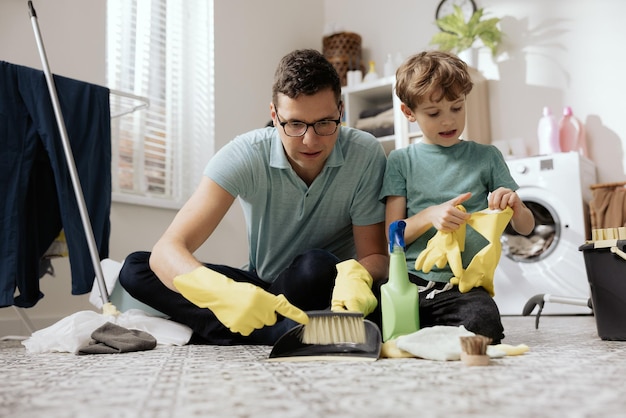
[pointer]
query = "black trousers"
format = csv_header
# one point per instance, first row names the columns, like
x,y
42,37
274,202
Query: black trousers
x,y
307,283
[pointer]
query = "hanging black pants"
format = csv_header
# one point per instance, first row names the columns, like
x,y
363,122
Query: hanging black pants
x,y
37,198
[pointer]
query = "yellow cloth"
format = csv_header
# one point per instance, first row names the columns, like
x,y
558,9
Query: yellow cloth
x,y
390,349
512,350
490,224
242,307
353,289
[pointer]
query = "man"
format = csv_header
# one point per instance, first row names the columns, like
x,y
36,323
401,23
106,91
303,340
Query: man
x,y
309,191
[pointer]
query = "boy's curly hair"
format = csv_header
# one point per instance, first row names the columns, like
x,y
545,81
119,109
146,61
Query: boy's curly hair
x,y
432,75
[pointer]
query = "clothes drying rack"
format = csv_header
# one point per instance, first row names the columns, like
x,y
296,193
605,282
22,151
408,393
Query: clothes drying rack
x,y
140,103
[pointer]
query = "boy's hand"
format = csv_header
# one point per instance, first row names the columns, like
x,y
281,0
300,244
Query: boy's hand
x,y
501,198
447,217
523,220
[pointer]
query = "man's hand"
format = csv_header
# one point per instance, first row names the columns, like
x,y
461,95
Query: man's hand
x,y
353,289
242,307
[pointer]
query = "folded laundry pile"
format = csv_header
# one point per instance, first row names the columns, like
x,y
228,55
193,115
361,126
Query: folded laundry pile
x,y
378,121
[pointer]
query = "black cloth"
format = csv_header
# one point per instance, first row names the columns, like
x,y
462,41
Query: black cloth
x,y
114,339
38,198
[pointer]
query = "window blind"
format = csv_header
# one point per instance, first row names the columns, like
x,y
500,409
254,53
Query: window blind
x,y
162,50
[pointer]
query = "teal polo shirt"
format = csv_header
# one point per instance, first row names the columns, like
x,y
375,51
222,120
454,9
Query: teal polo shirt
x,y
429,175
285,217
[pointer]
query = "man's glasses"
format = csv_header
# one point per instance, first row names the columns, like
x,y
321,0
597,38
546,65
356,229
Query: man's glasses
x,y
324,127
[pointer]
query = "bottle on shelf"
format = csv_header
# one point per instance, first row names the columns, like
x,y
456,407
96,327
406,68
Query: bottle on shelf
x,y
390,68
354,75
371,74
571,133
548,133
398,59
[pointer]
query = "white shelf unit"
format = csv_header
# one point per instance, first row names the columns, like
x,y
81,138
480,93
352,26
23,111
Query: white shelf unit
x,y
374,94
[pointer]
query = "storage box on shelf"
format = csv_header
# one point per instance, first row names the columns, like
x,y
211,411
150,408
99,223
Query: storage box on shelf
x,y
375,95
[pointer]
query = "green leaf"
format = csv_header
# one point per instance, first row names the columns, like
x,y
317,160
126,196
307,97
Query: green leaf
x,y
458,35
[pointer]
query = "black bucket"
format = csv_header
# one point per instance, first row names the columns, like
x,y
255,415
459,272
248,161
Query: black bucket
x,y
606,272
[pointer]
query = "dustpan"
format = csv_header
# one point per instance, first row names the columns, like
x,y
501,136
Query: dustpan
x,y
290,347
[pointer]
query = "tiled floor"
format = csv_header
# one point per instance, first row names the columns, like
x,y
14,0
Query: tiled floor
x,y
568,372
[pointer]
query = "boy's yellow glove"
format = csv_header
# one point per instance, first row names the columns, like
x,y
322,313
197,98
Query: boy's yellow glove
x,y
242,307
480,272
353,289
444,248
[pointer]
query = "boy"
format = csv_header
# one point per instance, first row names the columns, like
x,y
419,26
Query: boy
x,y
426,183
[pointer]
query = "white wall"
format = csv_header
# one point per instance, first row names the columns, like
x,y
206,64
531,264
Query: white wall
x,y
559,52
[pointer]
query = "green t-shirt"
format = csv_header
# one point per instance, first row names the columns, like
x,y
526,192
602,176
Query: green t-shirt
x,y
429,175
285,217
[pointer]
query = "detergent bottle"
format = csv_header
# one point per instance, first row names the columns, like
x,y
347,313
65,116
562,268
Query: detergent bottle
x,y
399,296
548,133
371,73
571,133
390,68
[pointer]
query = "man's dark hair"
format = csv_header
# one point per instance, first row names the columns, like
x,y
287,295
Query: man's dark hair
x,y
305,71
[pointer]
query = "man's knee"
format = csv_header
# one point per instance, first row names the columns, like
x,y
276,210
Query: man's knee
x,y
135,267
309,280
316,263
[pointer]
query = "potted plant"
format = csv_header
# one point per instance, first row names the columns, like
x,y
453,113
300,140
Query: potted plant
x,y
457,35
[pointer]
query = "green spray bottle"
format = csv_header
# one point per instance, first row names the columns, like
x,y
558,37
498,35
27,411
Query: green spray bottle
x,y
399,296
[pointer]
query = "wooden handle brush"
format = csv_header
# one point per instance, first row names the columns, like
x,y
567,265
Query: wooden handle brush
x,y
474,350
330,327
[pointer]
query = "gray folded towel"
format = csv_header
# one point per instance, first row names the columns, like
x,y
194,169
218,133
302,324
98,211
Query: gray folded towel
x,y
113,339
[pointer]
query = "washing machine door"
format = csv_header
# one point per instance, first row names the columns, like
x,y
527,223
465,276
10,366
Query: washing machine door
x,y
545,262
541,242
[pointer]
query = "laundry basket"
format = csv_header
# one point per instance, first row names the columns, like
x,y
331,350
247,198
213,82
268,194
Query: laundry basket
x,y
343,51
605,262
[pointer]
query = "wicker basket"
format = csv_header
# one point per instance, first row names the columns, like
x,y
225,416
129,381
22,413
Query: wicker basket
x,y
343,51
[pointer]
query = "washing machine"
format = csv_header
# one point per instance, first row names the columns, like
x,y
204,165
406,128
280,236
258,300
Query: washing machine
x,y
556,188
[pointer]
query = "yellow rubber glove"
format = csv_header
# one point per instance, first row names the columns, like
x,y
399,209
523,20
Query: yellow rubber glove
x,y
242,307
353,289
444,248
480,271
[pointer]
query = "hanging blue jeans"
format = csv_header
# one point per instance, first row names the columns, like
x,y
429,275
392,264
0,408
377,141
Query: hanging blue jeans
x,y
36,193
